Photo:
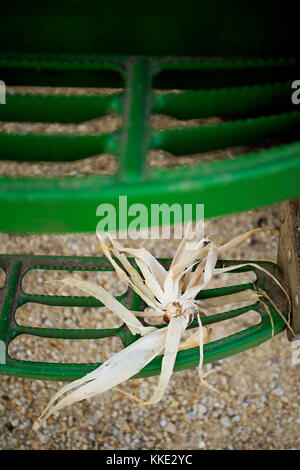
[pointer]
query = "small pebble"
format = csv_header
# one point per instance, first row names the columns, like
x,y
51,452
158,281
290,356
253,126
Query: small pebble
x,y
278,391
226,421
171,428
202,409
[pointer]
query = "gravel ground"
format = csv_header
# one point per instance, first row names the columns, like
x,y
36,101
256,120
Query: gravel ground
x,y
257,406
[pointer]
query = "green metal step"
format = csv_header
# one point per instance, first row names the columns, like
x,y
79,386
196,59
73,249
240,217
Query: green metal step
x,y
254,114
12,297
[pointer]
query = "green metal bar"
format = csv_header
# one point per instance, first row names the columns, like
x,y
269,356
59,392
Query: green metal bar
x,y
66,301
241,132
33,69
62,61
135,134
224,101
207,72
69,204
221,183
218,317
61,70
58,108
66,333
215,63
219,291
87,62
7,312
37,147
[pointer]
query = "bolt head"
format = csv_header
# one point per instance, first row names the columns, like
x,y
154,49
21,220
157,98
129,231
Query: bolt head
x,y
296,301
289,256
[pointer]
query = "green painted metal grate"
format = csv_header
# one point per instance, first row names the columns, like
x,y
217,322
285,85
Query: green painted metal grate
x,y
16,266
253,95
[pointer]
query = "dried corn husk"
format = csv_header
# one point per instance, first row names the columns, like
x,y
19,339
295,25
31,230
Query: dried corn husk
x,y
170,296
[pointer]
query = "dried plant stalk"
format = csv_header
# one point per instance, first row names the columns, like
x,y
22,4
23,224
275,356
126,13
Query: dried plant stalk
x,y
171,299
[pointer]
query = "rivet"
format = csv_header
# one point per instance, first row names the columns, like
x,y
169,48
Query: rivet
x,y
289,256
296,301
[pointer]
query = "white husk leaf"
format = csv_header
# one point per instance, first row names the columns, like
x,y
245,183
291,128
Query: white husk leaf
x,y
175,329
141,253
